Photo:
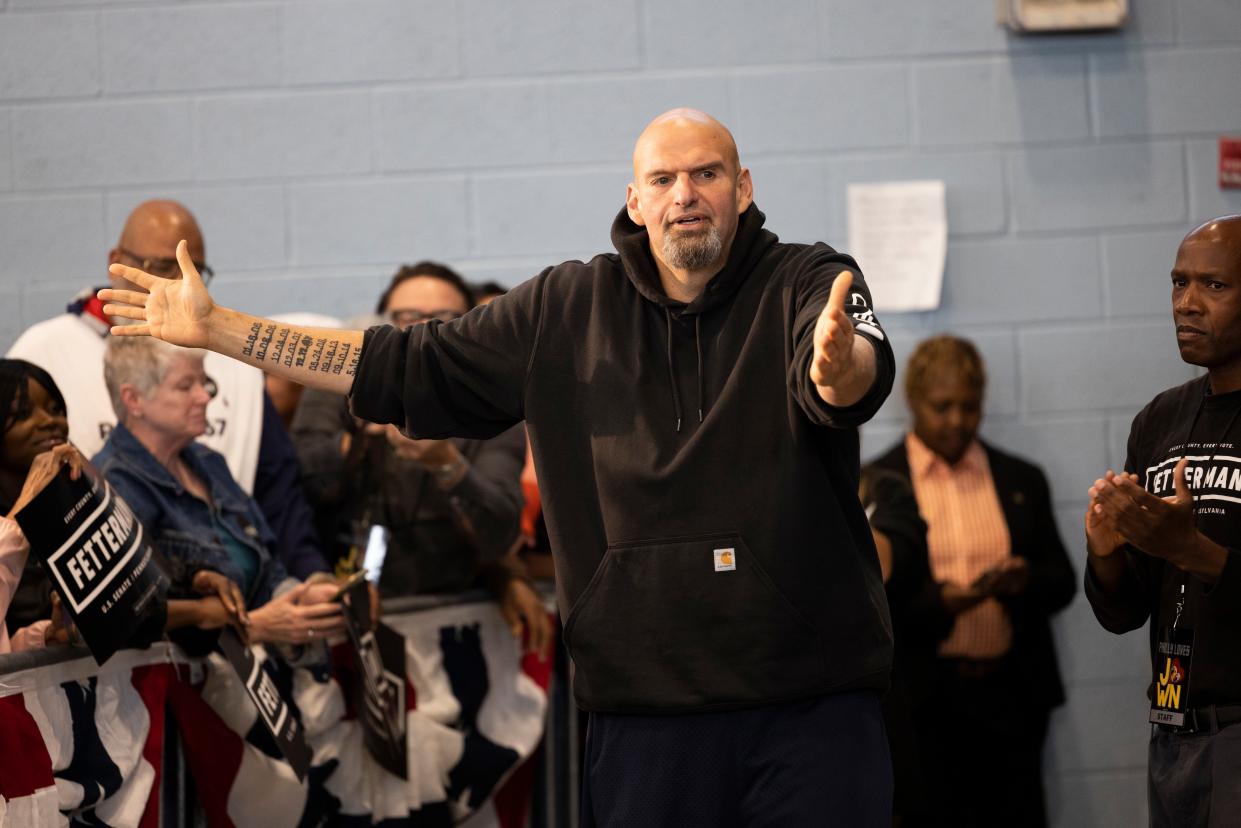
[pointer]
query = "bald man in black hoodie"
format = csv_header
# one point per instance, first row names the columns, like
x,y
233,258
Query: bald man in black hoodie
x,y
692,402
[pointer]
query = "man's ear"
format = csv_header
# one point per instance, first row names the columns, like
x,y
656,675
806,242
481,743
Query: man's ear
x,y
745,191
631,205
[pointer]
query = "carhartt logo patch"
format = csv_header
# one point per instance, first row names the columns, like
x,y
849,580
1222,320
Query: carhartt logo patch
x,y
725,560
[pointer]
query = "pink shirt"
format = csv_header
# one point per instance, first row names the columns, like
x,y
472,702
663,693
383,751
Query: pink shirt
x,y
966,535
13,551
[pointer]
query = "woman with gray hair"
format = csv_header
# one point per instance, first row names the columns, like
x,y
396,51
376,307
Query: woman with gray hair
x,y
185,497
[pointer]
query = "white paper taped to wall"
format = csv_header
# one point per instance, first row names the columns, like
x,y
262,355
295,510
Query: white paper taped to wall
x,y
898,232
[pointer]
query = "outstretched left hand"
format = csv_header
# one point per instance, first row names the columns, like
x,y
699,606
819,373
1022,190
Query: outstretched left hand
x,y
842,367
833,336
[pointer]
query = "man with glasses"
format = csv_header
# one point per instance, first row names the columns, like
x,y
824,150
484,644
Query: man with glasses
x,y
451,507
242,425
167,268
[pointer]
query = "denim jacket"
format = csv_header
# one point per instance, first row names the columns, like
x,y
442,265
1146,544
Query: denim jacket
x,y
181,526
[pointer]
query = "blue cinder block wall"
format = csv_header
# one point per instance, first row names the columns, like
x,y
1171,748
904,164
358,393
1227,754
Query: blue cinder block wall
x,y
321,143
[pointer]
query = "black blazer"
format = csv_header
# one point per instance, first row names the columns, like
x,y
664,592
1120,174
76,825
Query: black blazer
x,y
919,621
1025,499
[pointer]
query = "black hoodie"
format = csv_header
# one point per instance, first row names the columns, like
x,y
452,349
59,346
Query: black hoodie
x,y
700,497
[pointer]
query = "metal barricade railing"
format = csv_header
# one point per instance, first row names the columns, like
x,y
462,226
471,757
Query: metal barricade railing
x,y
33,659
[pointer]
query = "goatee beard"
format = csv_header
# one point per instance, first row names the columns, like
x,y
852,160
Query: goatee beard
x,y
692,251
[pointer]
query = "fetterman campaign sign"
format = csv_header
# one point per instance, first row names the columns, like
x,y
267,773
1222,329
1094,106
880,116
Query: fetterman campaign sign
x,y
274,710
379,684
95,554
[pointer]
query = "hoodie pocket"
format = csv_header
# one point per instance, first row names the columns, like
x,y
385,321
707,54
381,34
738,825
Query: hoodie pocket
x,y
688,622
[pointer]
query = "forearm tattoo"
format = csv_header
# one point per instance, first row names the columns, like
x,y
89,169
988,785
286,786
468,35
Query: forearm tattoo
x,y
282,339
248,350
264,343
317,355
271,343
342,358
299,351
329,355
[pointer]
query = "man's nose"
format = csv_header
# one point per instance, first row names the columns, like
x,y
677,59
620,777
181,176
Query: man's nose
x,y
683,191
1188,301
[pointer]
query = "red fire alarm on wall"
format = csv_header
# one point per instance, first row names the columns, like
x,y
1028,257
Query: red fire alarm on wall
x,y
1230,163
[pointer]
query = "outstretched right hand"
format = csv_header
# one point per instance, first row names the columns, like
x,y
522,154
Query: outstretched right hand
x,y
174,310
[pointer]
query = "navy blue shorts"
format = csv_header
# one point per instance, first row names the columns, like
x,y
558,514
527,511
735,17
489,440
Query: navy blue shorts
x,y
820,762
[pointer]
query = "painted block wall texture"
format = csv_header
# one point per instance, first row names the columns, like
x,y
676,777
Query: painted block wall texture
x,y
323,142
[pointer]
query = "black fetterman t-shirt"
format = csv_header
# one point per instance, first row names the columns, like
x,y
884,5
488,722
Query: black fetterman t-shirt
x,y
1206,428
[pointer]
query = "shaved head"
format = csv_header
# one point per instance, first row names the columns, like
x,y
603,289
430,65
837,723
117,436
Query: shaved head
x,y
689,191
1206,300
153,222
684,124
151,234
1224,233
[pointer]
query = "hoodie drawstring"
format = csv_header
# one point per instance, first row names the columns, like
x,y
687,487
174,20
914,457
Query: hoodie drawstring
x,y
672,376
698,346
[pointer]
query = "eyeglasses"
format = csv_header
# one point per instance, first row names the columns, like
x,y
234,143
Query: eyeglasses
x,y
166,268
403,318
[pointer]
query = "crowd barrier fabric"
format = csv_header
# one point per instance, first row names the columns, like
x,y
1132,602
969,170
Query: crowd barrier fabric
x,y
82,744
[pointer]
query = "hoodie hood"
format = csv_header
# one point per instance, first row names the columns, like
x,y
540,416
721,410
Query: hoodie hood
x,y
632,242
634,246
